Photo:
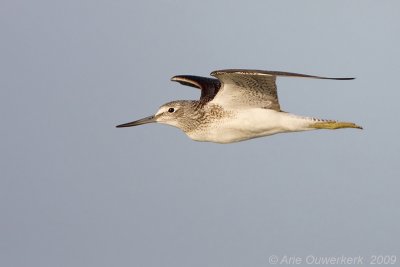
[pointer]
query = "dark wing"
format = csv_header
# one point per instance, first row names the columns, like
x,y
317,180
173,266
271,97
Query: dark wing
x,y
253,88
209,86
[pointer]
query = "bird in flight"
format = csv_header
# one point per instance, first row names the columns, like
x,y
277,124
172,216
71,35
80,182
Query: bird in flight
x,y
236,105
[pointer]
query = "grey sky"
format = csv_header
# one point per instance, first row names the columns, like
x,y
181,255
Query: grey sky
x,y
75,191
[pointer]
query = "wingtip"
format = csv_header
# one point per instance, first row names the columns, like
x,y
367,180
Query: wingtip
x,y
346,79
180,78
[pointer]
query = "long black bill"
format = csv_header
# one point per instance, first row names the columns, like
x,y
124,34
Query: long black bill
x,y
148,119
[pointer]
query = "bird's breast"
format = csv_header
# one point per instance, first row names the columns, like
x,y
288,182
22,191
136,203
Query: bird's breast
x,y
240,125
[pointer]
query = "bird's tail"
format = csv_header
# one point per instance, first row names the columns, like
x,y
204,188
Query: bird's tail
x,y
333,125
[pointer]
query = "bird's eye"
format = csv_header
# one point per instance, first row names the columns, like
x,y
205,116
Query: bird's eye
x,y
170,110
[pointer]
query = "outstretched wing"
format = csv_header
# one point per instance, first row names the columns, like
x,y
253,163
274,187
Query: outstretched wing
x,y
255,88
209,86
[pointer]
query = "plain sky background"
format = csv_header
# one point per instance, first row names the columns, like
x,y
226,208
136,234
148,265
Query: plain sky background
x,y
76,191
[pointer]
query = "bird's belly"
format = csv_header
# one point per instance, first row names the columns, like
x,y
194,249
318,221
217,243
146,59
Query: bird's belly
x,y
242,126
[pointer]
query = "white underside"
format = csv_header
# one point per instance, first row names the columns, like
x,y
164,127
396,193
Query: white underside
x,y
251,123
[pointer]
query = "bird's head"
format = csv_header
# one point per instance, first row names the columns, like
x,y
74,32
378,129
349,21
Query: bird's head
x,y
173,113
